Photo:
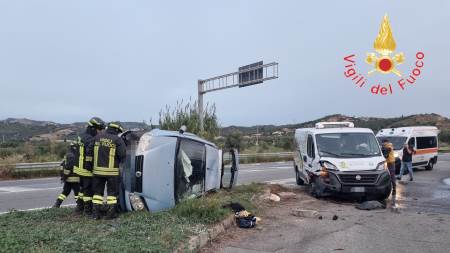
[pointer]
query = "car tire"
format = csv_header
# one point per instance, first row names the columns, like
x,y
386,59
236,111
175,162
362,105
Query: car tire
x,y
430,165
298,180
385,195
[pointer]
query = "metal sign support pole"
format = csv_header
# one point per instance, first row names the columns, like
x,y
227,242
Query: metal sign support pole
x,y
200,104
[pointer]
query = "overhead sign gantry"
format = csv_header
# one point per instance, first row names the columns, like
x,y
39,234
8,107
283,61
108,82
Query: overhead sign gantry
x,y
247,75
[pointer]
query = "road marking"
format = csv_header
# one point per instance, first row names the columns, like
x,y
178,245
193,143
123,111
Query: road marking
x,y
266,169
15,189
282,181
447,181
35,209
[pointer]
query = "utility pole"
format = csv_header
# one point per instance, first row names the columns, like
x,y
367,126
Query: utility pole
x,y
257,135
246,76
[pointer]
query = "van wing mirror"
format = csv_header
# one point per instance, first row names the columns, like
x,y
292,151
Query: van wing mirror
x,y
305,158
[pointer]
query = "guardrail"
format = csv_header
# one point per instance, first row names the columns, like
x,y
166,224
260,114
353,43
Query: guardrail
x,y
38,166
55,165
280,154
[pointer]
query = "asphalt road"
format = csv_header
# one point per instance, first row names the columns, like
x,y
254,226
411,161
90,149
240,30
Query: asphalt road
x,y
428,192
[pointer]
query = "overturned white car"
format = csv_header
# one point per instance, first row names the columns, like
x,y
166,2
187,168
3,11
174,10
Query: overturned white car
x,y
163,168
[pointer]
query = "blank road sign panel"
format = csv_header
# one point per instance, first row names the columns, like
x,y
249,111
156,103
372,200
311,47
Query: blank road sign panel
x,y
251,74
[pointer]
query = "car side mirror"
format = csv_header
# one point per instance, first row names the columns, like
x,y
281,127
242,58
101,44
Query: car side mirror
x,y
305,158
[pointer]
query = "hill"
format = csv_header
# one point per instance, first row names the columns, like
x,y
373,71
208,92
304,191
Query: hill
x,y
26,129
373,123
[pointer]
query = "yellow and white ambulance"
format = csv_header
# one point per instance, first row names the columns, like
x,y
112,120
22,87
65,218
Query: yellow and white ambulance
x,y
424,139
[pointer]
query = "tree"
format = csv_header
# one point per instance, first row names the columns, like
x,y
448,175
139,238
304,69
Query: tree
x,y
187,114
234,140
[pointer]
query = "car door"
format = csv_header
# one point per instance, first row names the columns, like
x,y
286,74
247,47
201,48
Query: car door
x,y
311,152
213,168
230,169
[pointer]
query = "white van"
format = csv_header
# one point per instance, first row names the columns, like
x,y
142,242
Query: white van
x,y
163,168
337,158
423,138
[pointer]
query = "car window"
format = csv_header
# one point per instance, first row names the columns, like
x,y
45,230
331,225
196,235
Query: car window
x,y
426,142
310,147
190,170
412,142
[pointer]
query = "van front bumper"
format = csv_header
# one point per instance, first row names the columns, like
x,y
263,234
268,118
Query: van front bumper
x,y
356,183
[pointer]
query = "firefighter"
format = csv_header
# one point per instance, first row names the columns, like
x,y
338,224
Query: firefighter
x,y
108,151
83,165
71,180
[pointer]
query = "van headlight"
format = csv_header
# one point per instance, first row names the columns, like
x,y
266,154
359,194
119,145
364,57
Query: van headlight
x,y
381,166
136,202
328,166
144,144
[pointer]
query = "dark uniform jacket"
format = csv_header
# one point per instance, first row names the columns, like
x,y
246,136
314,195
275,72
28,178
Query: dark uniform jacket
x,y
108,151
67,165
83,162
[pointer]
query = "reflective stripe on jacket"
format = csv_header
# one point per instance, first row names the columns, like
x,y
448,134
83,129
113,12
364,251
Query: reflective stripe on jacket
x,y
108,152
83,163
68,174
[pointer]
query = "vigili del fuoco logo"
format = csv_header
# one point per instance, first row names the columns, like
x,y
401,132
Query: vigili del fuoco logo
x,y
384,61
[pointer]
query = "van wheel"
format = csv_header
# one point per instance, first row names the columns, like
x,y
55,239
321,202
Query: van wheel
x,y
430,165
298,180
313,189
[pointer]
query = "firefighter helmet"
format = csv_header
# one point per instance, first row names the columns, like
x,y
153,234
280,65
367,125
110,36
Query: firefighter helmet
x,y
96,122
117,126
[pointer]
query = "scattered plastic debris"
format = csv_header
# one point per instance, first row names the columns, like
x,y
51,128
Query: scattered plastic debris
x,y
370,205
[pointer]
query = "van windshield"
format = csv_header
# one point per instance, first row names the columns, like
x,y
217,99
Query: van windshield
x,y
347,145
397,141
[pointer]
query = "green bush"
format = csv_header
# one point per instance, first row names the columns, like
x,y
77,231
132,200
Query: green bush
x,y
187,114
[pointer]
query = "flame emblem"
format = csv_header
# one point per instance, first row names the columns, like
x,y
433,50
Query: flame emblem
x,y
385,45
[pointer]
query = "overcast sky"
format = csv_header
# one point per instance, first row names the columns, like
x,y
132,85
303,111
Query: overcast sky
x,y
66,61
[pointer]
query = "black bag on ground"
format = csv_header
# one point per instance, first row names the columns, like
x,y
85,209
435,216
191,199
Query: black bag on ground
x,y
246,222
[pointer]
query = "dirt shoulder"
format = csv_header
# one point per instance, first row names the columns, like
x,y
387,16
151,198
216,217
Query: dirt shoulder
x,y
353,231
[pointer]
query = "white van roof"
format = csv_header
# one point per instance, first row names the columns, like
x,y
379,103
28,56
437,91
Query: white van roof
x,y
408,131
332,130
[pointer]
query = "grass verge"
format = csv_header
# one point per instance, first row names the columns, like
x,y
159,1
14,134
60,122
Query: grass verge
x,y
57,230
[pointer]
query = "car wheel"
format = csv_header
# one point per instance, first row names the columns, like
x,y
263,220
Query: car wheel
x,y
298,180
430,165
385,195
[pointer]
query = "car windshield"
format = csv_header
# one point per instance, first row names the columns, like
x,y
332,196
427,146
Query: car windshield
x,y
347,145
397,141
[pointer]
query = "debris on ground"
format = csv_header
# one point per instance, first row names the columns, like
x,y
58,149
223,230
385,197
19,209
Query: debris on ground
x,y
274,197
287,195
245,219
335,217
306,213
370,205
236,207
320,217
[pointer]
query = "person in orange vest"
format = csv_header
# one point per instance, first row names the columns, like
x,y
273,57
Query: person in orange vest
x,y
388,152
